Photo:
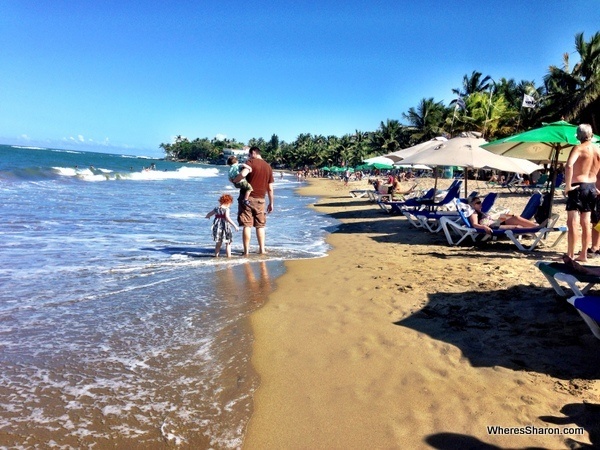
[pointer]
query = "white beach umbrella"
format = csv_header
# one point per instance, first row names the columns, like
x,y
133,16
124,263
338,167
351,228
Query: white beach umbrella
x,y
464,152
379,160
527,166
404,153
413,166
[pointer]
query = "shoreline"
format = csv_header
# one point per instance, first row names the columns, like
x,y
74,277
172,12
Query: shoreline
x,y
396,340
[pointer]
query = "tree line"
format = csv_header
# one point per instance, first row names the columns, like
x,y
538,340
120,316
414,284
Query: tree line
x,y
495,109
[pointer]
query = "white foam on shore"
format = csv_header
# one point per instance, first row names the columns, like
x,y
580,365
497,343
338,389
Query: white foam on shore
x,y
183,173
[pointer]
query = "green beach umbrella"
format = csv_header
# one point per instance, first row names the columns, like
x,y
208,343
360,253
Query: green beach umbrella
x,y
382,166
552,142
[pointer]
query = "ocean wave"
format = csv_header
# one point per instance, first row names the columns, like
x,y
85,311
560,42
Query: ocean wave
x,y
100,174
28,148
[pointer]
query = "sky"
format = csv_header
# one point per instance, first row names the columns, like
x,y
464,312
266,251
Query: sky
x,y
125,76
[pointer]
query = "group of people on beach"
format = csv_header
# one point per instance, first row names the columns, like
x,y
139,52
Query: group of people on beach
x,y
254,179
582,189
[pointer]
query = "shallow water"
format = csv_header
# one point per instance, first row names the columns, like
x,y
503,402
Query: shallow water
x,y
117,326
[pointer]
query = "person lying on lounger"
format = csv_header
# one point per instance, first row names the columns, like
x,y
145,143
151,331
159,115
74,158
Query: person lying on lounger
x,y
586,270
483,221
397,189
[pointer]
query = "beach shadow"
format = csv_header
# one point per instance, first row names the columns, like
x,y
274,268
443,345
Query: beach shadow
x,y
585,415
522,328
496,251
345,202
359,214
195,252
404,233
395,228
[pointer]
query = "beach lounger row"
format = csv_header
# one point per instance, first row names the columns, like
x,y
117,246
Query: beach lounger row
x,y
448,215
542,185
458,231
361,193
588,306
431,200
558,272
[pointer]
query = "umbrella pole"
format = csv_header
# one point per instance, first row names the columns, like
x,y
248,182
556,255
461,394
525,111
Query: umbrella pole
x,y
554,168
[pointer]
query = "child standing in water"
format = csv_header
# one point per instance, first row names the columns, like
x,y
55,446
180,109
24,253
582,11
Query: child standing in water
x,y
234,169
221,227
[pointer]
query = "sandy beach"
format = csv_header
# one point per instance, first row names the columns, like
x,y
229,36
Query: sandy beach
x,y
397,340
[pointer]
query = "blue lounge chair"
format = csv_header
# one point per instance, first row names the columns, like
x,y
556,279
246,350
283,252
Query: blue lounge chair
x,y
433,204
457,232
556,272
432,201
532,206
588,308
530,188
431,220
395,207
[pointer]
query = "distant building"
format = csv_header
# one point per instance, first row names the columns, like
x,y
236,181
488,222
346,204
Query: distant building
x,y
240,154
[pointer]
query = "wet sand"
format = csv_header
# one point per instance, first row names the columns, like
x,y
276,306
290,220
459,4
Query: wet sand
x,y
397,340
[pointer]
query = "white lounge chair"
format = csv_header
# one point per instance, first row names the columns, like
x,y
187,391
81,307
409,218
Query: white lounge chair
x,y
558,272
457,232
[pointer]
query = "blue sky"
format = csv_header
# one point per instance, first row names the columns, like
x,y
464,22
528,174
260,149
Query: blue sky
x,y
125,76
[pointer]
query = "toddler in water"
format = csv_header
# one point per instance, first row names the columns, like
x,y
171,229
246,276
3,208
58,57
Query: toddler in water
x,y
221,227
234,170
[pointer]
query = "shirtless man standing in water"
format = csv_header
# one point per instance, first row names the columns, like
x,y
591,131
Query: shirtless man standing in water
x,y
581,171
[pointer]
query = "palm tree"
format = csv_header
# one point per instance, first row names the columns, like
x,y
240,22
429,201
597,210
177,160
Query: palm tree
x,y
587,70
333,150
345,148
359,147
472,84
390,136
427,119
320,150
516,117
575,94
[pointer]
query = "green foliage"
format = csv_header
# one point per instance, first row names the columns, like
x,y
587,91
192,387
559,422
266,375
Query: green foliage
x,y
493,108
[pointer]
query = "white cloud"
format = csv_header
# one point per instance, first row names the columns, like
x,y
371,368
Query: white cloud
x,y
220,137
80,138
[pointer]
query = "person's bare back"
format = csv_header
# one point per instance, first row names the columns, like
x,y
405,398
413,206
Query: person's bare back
x,y
581,173
585,159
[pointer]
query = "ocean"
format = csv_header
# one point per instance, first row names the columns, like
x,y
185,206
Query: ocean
x,y
118,327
